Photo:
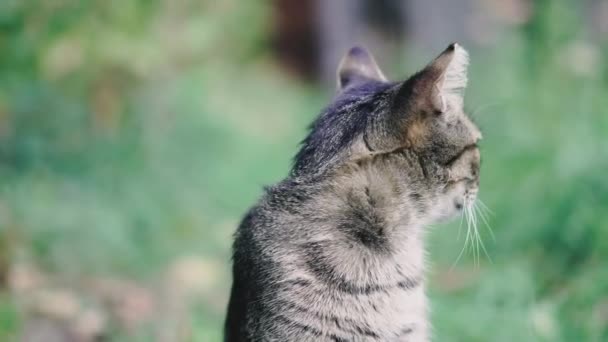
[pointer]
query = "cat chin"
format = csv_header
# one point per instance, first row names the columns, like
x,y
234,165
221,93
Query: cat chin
x,y
449,214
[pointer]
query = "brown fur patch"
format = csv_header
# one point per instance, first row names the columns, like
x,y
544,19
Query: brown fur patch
x,y
416,133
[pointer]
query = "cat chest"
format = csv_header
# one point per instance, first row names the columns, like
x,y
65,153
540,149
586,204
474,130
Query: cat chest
x,y
389,315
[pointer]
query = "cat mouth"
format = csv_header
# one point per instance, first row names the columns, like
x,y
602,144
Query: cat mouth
x,y
469,196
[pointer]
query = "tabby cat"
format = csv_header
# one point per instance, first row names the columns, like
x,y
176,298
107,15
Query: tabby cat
x,y
335,252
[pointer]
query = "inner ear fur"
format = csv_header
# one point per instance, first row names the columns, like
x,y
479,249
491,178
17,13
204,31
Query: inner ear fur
x,y
438,87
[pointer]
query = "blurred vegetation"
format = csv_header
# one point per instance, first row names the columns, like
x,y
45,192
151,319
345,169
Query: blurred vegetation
x,y
134,134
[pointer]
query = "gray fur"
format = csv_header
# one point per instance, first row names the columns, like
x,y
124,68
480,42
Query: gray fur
x,y
335,252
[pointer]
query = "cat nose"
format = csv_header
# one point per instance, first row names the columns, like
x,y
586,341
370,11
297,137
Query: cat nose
x,y
475,133
474,171
477,136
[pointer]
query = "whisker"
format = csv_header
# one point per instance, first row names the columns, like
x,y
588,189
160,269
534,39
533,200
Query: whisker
x,y
485,220
468,235
475,233
460,225
473,230
478,235
479,109
474,213
485,207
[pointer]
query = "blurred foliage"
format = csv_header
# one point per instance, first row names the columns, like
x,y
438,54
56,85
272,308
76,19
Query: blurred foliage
x,y
9,322
134,133
541,98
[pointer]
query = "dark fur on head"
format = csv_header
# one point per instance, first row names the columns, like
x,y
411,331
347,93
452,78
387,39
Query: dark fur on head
x,y
387,116
345,229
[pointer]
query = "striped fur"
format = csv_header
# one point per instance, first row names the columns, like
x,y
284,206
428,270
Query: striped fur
x,y
335,252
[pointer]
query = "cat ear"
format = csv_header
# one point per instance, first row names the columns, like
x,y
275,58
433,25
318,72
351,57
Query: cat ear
x,y
439,87
358,65
447,78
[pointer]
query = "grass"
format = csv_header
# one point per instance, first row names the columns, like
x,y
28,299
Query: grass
x,y
113,172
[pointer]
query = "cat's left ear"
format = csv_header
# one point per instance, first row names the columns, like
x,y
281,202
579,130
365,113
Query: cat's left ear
x,y
356,66
443,81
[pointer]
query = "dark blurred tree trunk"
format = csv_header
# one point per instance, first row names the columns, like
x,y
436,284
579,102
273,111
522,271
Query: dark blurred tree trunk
x,y
312,35
379,25
4,261
339,21
597,10
295,36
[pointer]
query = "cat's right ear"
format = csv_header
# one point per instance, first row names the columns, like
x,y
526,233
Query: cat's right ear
x,y
356,66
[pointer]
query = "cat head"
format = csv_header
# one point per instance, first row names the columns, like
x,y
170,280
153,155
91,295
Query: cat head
x,y
415,132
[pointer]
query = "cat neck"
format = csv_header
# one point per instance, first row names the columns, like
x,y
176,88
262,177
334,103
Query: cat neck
x,y
363,217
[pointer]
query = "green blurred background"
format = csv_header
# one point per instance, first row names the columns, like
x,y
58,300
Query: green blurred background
x,y
134,135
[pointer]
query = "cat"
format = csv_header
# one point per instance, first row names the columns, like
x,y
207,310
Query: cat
x,y
335,252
